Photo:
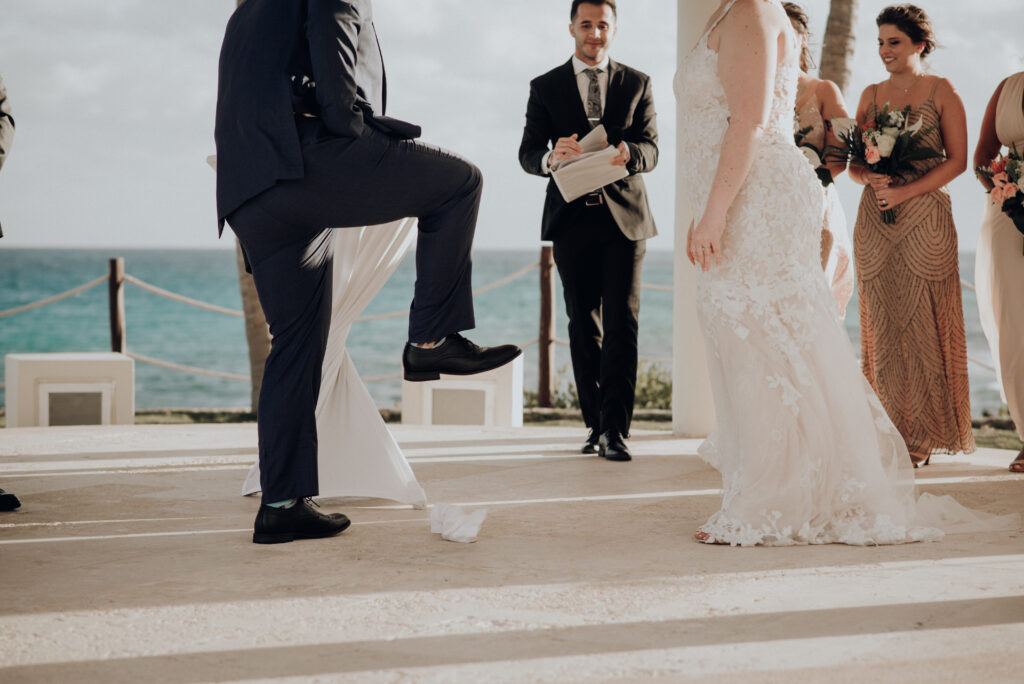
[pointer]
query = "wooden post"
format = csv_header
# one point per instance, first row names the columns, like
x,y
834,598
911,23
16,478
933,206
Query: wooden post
x,y
118,326
546,343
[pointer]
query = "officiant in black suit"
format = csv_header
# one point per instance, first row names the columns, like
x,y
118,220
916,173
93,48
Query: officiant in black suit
x,y
599,239
304,147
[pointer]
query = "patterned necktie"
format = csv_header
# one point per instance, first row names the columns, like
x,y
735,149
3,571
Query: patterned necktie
x,y
593,97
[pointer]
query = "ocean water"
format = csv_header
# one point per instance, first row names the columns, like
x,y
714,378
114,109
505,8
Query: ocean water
x,y
175,332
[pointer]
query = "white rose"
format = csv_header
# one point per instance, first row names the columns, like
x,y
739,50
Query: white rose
x,y
885,144
891,132
812,155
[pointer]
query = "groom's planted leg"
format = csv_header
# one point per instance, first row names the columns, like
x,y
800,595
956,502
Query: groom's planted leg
x,y
294,285
292,273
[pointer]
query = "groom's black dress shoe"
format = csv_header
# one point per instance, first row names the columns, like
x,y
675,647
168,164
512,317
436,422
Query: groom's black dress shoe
x,y
612,447
590,446
8,502
456,356
301,521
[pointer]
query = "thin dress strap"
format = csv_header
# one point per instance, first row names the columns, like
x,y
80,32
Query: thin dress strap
x,y
704,38
931,94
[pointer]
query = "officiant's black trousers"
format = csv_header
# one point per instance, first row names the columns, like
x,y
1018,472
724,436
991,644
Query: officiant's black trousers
x,y
600,269
286,235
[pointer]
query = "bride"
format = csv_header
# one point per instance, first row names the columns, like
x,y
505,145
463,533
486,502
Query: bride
x,y
805,449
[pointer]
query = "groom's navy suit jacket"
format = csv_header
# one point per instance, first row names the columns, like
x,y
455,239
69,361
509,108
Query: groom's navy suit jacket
x,y
555,110
267,43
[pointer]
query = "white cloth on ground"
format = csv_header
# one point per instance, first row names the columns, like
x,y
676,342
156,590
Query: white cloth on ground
x,y
454,524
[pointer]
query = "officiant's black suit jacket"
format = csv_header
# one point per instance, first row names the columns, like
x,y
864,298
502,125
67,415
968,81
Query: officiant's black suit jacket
x,y
257,139
555,110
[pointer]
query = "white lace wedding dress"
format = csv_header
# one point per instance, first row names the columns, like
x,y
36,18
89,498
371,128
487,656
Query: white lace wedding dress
x,y
805,449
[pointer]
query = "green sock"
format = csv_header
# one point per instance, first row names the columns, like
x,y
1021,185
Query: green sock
x,y
287,503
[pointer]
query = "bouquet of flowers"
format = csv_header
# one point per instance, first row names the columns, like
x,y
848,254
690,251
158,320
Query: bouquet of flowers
x,y
887,144
810,151
1007,176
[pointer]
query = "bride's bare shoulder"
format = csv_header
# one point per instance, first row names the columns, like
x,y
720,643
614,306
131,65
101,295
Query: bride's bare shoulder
x,y
747,14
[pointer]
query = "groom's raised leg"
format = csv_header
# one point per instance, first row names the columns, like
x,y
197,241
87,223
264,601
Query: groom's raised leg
x,y
406,178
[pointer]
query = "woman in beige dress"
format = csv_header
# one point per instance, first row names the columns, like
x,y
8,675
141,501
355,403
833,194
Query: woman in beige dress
x,y
913,346
999,269
818,102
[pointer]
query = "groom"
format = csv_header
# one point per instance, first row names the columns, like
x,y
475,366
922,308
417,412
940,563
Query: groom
x,y
303,147
599,239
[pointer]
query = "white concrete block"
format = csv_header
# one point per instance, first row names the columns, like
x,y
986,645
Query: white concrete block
x,y
494,398
82,388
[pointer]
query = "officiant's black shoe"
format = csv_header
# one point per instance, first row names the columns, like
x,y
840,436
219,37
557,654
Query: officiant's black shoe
x,y
455,356
590,446
612,447
301,521
8,502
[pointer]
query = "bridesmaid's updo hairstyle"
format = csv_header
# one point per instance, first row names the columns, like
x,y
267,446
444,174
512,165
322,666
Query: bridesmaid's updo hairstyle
x,y
798,18
911,20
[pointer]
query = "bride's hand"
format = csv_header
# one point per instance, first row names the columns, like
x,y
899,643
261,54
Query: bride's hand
x,y
706,243
689,244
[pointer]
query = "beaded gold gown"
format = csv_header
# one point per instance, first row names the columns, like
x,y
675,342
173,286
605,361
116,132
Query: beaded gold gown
x,y
913,345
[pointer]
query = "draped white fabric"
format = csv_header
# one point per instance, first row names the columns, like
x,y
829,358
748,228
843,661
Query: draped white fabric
x,y
358,457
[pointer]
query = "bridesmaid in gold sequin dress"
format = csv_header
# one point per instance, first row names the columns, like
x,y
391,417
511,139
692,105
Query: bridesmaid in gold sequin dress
x,y
913,346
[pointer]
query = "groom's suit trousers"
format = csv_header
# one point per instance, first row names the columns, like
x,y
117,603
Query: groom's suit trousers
x,y
285,233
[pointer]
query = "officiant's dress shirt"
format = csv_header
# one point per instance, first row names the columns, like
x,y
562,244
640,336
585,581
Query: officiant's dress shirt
x,y
583,82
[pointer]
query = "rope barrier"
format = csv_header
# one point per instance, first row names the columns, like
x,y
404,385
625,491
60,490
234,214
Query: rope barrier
x,y
657,288
377,317
182,298
507,279
382,378
480,290
55,298
982,364
187,369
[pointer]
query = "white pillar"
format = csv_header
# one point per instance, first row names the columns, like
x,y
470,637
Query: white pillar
x,y
693,413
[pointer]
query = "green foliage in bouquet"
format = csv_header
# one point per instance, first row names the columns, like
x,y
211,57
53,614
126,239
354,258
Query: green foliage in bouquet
x,y
886,145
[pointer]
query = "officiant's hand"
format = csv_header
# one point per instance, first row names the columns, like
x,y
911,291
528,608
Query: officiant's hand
x,y
623,156
565,148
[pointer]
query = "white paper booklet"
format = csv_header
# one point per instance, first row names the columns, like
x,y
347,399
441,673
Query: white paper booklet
x,y
591,170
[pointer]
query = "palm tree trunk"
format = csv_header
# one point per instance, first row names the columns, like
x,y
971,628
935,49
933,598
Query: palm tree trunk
x,y
257,333
837,51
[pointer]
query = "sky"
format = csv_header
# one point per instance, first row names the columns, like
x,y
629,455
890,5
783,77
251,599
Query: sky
x,y
114,104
